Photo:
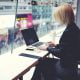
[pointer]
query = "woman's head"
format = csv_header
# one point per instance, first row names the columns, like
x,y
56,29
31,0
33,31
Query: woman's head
x,y
64,14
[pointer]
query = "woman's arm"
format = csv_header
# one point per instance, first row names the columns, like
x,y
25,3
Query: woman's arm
x,y
53,50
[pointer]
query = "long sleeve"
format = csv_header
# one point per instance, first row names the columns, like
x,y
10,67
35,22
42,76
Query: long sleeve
x,y
54,51
68,43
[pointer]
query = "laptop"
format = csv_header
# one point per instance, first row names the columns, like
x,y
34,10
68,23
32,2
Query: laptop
x,y
30,37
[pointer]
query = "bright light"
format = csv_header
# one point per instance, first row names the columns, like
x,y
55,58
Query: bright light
x,y
7,21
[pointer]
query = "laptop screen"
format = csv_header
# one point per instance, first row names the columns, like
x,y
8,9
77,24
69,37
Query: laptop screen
x,y
29,36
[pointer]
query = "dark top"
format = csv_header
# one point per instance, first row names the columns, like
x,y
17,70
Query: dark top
x,y
68,48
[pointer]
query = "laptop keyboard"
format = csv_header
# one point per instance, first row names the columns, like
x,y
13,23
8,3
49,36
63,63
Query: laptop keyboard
x,y
37,44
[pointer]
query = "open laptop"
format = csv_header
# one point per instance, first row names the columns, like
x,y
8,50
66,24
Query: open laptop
x,y
31,37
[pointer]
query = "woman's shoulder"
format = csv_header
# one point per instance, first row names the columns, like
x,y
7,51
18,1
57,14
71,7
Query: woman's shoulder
x,y
73,27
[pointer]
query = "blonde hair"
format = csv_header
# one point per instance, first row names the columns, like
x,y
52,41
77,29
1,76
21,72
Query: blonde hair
x,y
64,14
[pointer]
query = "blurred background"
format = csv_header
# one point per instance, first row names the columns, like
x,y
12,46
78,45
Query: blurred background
x,y
16,15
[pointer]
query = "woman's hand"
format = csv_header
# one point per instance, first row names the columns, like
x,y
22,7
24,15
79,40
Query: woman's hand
x,y
51,44
43,47
46,45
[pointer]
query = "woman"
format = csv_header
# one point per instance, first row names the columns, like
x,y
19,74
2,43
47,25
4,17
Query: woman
x,y
67,49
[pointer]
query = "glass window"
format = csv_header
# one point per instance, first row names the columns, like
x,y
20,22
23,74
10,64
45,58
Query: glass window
x,y
38,15
6,35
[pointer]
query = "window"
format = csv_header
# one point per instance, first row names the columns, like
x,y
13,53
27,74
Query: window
x,y
38,15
